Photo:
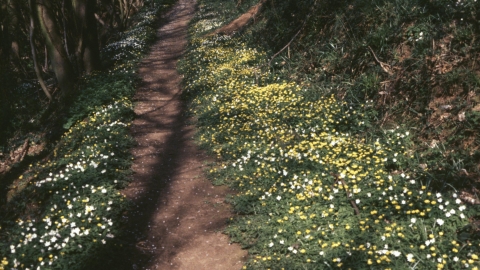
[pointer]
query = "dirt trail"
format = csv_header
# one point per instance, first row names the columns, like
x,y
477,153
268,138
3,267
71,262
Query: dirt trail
x,y
179,215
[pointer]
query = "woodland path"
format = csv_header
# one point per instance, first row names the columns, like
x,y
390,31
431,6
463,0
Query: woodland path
x,y
179,215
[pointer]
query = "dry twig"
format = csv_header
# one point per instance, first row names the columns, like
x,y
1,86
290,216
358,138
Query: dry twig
x,y
386,67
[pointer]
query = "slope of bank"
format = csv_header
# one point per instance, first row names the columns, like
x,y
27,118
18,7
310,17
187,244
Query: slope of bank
x,y
320,182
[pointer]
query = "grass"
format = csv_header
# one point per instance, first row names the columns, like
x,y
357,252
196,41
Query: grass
x,y
321,182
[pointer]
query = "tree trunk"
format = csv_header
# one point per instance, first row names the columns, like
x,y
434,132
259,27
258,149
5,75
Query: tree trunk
x,y
4,37
15,22
36,66
4,65
61,65
6,77
88,52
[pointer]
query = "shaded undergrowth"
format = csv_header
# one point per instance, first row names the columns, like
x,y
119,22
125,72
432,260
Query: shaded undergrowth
x,y
64,210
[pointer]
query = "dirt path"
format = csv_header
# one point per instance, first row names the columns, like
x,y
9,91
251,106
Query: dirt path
x,y
179,215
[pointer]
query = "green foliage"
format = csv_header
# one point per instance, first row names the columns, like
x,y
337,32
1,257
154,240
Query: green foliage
x,y
324,147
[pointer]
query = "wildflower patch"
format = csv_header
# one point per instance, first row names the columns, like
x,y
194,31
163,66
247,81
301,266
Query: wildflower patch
x,y
313,193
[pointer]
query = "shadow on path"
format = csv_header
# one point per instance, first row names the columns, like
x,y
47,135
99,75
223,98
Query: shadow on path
x,y
177,215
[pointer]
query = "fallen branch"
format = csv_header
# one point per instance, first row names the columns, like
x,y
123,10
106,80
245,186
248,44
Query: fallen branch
x,y
386,67
18,155
239,23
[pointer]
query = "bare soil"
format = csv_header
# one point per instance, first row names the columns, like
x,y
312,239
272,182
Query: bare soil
x,y
179,216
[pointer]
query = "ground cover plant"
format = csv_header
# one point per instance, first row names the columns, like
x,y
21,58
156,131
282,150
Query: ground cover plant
x,y
319,184
64,211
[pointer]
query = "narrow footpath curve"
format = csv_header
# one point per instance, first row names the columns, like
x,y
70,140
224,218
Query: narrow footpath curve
x,y
179,214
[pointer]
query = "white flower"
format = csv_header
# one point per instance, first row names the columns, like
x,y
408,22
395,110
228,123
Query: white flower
x,y
413,220
455,259
440,222
282,242
396,253
410,257
458,201
279,198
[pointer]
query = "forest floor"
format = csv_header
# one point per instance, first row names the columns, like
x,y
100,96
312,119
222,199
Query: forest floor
x,y
179,216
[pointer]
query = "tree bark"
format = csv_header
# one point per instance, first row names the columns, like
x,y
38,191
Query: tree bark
x,y
4,37
4,62
36,66
61,65
88,52
14,16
